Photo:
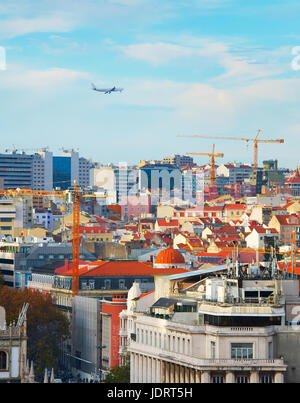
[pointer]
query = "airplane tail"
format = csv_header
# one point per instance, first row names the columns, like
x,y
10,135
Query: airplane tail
x,y
93,86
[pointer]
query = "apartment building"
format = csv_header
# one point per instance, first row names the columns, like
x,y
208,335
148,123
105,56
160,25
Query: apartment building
x,y
236,173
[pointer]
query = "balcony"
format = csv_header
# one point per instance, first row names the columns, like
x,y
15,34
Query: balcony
x,y
205,364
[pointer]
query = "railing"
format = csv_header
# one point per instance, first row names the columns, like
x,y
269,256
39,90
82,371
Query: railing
x,y
244,361
241,329
11,331
186,358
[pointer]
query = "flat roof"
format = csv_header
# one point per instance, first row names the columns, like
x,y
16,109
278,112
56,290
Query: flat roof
x,y
196,273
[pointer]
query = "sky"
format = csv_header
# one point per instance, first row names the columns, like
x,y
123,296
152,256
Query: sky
x,y
188,67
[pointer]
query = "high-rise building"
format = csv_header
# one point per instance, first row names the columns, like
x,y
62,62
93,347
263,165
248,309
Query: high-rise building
x,y
85,167
16,170
42,172
65,169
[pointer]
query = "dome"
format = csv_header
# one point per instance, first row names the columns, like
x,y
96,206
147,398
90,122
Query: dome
x,y
169,256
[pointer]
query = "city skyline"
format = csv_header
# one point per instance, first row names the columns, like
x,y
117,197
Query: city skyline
x,y
216,68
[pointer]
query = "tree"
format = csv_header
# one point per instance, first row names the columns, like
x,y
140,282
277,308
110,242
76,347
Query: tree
x,y
2,281
119,375
47,327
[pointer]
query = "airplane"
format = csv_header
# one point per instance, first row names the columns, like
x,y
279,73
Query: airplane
x,y
107,90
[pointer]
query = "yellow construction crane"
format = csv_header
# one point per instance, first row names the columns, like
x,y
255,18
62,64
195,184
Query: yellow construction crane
x,y
255,141
212,156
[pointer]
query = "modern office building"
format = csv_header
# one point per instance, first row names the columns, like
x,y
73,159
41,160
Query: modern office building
x,y
16,170
42,170
65,169
85,167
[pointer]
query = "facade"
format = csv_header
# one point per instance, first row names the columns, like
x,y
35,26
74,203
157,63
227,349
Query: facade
x,y
286,225
179,160
135,206
16,170
213,331
42,170
13,350
236,173
110,331
262,238
126,181
163,181
83,356
84,172
65,169
44,218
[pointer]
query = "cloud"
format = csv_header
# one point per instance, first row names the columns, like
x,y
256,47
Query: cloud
x,y
238,64
157,53
49,79
23,26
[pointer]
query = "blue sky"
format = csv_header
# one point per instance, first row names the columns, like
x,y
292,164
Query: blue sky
x,y
207,67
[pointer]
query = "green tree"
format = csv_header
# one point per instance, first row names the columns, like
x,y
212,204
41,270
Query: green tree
x,y
119,375
47,327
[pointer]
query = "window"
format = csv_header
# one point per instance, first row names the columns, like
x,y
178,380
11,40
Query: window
x,y
218,379
3,360
241,351
122,284
213,349
266,378
270,350
242,379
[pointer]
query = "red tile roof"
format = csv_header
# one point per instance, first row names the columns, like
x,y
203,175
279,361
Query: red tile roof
x,y
165,223
122,269
93,230
67,267
262,230
234,207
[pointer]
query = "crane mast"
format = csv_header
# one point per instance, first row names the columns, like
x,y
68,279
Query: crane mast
x,y
212,156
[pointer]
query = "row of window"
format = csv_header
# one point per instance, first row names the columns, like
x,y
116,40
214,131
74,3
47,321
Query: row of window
x,y
264,378
168,342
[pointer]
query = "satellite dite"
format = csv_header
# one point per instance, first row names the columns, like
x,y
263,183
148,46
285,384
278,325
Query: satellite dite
x,y
107,90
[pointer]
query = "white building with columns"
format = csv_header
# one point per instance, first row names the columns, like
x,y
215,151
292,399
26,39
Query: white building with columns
x,y
212,330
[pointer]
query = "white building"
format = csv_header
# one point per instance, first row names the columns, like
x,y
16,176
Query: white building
x,y
236,173
211,331
85,167
42,171
260,237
